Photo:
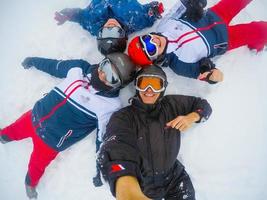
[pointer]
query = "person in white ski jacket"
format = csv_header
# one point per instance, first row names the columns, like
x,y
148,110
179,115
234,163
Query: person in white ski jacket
x,y
81,103
185,42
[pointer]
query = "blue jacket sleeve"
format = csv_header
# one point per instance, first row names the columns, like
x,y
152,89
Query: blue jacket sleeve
x,y
93,17
190,70
57,68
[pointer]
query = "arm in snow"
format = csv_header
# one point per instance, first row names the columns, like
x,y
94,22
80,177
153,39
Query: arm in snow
x,y
57,68
203,70
190,70
67,14
118,155
189,110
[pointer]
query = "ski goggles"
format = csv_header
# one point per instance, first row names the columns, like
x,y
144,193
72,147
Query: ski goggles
x,y
150,47
112,77
155,82
111,32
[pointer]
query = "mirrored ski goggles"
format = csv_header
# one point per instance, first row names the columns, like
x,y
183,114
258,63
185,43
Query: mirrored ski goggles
x,y
155,82
150,47
112,77
111,32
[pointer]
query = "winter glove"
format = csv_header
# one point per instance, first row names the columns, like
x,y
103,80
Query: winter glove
x,y
65,15
97,180
194,9
26,63
207,67
156,9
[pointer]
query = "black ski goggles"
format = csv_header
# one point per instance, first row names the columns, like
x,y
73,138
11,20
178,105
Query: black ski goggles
x,y
111,32
150,47
111,75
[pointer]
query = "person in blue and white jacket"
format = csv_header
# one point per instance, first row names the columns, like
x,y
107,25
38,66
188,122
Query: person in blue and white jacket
x,y
112,20
189,36
81,103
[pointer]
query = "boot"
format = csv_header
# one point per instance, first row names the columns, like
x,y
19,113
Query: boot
x,y
31,192
3,138
257,48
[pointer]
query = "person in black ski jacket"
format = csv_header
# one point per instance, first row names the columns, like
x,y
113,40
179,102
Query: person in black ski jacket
x,y
138,157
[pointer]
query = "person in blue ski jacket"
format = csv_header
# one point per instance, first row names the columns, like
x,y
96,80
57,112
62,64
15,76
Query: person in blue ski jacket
x,y
118,18
81,103
189,36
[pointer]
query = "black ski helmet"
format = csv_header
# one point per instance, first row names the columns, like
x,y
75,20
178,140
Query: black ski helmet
x,y
153,70
124,67
107,45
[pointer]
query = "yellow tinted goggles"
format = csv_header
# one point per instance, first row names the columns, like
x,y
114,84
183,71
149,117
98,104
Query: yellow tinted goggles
x,y
156,83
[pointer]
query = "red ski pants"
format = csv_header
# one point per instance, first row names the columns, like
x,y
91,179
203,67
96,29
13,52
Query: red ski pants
x,y
41,155
253,34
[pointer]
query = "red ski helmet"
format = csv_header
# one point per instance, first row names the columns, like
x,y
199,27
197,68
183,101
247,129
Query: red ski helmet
x,y
137,54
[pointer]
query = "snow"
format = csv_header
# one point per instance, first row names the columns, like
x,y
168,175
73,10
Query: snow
x,y
225,157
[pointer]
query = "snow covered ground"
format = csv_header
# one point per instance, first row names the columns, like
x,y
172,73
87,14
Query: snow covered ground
x,y
226,157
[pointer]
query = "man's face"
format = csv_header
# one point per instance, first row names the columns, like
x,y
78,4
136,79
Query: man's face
x,y
148,96
107,74
112,23
160,41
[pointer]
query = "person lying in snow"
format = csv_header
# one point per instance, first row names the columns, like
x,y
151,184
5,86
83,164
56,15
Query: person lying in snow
x,y
112,20
81,103
138,156
188,37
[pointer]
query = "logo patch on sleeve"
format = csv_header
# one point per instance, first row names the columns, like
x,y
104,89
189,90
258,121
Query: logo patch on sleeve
x,y
116,168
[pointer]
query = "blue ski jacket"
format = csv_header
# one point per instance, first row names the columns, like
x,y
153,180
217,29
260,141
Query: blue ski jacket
x,y
71,110
189,42
132,15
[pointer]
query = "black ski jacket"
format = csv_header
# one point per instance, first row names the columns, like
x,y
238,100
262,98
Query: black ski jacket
x,y
137,143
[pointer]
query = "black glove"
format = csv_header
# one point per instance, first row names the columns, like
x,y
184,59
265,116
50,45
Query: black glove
x,y
26,63
206,65
97,180
156,9
194,9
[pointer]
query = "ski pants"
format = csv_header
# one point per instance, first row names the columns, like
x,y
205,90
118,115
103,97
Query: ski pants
x,y
253,34
41,155
175,185
183,189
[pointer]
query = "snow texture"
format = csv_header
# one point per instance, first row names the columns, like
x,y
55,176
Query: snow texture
x,y
226,157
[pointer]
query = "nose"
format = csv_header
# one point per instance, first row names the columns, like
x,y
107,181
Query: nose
x,y
149,89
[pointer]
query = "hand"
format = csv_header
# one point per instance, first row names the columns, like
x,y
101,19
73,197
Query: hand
x,y
182,123
156,9
26,63
65,15
60,18
214,76
128,188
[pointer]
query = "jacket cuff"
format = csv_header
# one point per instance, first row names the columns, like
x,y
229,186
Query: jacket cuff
x,y
117,169
202,115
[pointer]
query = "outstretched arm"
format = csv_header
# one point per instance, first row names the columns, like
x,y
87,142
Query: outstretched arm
x,y
133,191
189,110
119,156
68,14
57,68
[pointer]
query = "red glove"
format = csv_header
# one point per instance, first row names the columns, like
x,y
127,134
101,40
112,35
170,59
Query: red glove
x,y
156,9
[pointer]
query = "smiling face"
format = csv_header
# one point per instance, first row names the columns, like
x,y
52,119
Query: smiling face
x,y
111,23
148,96
160,41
